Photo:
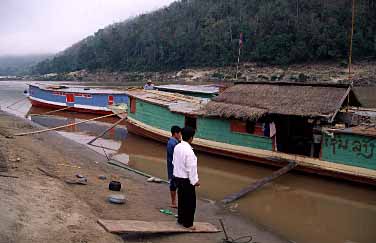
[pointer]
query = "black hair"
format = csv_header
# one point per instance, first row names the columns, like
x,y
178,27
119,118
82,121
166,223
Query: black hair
x,y
187,133
175,129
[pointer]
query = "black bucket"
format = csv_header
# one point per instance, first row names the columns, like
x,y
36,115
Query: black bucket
x,y
114,186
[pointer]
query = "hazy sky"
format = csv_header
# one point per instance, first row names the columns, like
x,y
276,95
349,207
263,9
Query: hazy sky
x,y
49,26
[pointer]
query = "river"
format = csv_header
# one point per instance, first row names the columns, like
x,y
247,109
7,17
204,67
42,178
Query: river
x,y
300,207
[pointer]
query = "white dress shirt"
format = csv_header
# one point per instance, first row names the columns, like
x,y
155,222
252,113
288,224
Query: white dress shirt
x,y
185,162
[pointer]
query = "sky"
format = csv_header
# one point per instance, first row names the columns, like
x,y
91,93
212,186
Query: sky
x,y
50,26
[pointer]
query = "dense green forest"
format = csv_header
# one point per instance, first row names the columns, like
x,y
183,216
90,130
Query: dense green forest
x,y
191,33
19,65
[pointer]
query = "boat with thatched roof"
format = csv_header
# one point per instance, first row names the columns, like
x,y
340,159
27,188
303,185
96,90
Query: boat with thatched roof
x,y
269,123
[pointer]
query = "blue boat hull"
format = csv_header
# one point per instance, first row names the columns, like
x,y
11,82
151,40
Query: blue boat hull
x,y
84,101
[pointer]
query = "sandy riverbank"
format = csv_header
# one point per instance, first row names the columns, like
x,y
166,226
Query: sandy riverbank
x,y
38,208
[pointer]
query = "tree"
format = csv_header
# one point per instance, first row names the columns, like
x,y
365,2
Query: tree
x,y
191,33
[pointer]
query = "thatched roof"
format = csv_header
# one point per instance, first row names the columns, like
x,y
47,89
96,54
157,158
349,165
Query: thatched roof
x,y
251,101
231,110
366,96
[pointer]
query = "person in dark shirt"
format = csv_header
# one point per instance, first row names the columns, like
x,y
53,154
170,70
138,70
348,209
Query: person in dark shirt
x,y
172,142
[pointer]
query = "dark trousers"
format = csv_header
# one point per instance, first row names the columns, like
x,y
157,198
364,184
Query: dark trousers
x,y
186,202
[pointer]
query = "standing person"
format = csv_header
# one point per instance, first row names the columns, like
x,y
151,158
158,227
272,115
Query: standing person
x,y
149,85
172,142
186,178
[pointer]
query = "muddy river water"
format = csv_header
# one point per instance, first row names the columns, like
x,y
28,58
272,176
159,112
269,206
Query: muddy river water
x,y
300,207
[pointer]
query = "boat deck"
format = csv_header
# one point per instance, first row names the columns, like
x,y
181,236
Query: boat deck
x,y
174,102
363,130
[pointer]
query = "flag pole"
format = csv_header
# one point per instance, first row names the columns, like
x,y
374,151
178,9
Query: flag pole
x,y
237,66
240,47
351,37
351,50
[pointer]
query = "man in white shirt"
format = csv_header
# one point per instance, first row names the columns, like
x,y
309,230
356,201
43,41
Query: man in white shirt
x,y
186,178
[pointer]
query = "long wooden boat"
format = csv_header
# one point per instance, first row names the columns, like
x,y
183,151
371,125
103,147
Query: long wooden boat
x,y
75,98
152,113
234,124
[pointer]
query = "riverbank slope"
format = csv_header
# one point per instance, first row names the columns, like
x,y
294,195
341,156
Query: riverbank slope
x,y
39,206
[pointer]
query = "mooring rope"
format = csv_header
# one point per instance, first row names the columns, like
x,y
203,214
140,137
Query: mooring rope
x,y
228,239
18,101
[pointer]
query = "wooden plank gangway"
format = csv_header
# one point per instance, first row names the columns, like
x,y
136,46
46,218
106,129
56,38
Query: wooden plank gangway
x,y
148,227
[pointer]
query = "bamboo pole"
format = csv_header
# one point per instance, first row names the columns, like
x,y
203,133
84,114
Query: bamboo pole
x,y
112,162
253,187
102,147
44,171
50,112
64,126
103,133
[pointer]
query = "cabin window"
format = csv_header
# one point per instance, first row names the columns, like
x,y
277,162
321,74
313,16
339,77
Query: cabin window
x,y
247,127
258,129
110,100
191,122
132,105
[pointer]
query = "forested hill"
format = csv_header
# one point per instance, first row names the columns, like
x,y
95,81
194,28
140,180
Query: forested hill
x,y
191,33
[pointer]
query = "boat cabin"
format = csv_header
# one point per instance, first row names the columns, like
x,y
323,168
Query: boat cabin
x,y
77,98
292,114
